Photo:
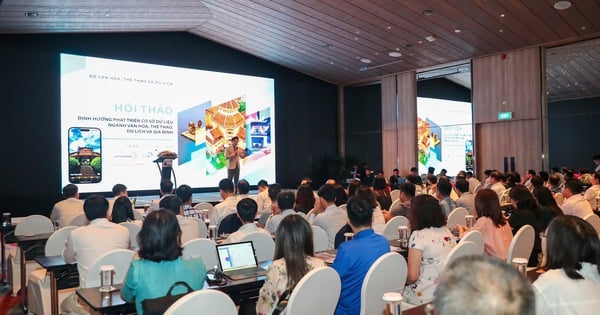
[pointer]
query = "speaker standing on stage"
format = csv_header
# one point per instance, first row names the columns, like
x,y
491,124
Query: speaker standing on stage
x,y
233,153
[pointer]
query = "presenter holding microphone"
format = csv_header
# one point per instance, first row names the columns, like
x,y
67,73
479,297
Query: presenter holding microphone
x,y
233,153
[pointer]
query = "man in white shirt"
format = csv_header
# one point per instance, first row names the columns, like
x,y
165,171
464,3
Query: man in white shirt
x,y
189,226
575,204
465,199
66,210
85,244
118,190
594,191
285,201
227,206
263,200
246,211
326,214
166,189
495,181
243,188
473,182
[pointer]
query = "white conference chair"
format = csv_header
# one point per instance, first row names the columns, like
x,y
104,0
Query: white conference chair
x,y
521,244
504,198
262,220
33,224
263,245
202,248
390,230
56,242
343,206
320,239
466,248
457,216
395,204
594,220
395,195
134,230
79,220
387,274
317,293
203,228
476,237
119,258
201,206
208,302
477,188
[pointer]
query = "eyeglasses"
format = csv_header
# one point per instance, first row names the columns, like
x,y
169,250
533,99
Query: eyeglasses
x,y
542,234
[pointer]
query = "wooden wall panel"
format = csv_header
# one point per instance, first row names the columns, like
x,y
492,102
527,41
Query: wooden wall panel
x,y
407,121
389,125
508,82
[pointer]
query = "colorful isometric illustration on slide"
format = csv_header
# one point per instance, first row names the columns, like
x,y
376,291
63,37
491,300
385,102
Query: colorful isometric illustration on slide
x,y
223,122
85,155
429,139
192,130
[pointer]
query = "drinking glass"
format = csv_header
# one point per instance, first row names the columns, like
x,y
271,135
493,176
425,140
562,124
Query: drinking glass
x,y
106,277
393,300
521,265
470,220
348,236
213,232
403,236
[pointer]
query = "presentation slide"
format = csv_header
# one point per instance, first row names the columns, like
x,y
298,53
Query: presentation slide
x,y
445,135
117,117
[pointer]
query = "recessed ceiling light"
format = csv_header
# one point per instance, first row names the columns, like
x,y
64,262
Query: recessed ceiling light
x,y
365,60
395,54
389,27
427,12
500,30
583,28
458,30
502,15
31,14
430,38
420,42
562,5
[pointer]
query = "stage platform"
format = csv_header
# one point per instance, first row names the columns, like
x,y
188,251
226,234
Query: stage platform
x,y
213,197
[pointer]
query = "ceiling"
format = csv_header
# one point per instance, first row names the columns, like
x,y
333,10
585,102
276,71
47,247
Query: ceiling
x,y
344,41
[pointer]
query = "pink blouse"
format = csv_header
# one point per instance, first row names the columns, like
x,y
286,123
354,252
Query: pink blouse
x,y
496,240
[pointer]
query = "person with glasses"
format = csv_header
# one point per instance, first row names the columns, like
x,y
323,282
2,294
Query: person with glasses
x,y
571,285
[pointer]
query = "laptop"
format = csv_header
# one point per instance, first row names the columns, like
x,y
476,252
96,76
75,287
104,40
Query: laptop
x,y
238,261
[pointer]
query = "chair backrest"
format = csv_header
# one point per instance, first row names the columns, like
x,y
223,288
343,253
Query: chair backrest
x,y
395,195
208,302
79,220
317,293
343,206
387,274
395,204
262,220
119,258
476,237
229,224
504,198
137,215
202,248
205,206
390,230
320,238
457,216
34,224
560,198
263,245
477,188
56,242
463,248
594,220
521,244
203,228
134,229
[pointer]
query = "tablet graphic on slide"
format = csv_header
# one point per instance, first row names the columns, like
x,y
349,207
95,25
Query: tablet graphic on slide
x,y
85,155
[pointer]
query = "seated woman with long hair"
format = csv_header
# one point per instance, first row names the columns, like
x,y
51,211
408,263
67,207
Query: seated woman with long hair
x,y
384,199
492,224
294,257
544,197
122,210
305,199
378,221
428,247
571,285
160,264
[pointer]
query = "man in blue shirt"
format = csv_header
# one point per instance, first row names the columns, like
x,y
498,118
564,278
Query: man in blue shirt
x,y
355,257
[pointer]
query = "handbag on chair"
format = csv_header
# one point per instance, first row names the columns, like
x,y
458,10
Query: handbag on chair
x,y
158,306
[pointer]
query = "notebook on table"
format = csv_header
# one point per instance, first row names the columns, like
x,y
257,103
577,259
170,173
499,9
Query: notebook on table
x,y
238,261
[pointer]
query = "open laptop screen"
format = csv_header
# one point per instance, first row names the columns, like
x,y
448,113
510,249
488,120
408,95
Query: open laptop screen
x,y
236,256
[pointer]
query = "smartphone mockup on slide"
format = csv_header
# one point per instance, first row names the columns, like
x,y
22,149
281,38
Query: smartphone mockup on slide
x,y
85,155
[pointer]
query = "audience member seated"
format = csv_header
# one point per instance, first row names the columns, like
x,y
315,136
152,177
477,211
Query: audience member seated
x,y
444,188
492,224
189,226
496,183
262,199
575,204
429,245
407,193
554,183
294,257
395,179
166,189
341,197
593,191
382,195
246,211
378,223
118,190
326,214
66,210
528,212
285,204
160,264
545,199
184,192
512,179
355,257
418,182
122,210
243,188
305,199
483,285
87,243
473,182
465,199
227,206
431,184
571,285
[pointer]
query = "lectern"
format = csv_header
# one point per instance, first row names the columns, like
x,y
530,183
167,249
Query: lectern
x,y
165,166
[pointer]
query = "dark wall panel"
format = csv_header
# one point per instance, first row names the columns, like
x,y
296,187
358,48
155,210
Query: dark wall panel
x,y
30,102
443,89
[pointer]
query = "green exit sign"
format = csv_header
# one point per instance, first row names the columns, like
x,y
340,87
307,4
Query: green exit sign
x,y
504,115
